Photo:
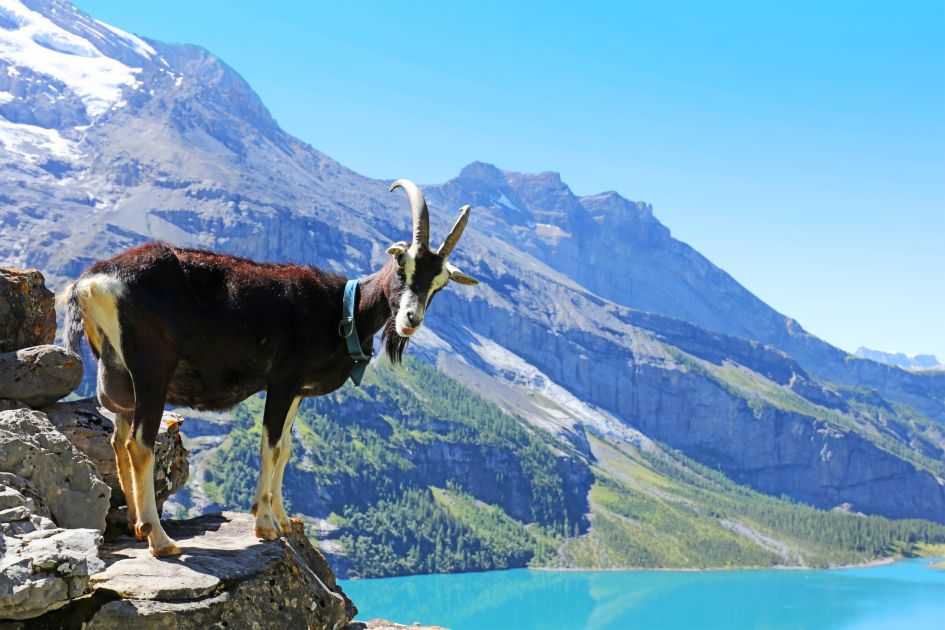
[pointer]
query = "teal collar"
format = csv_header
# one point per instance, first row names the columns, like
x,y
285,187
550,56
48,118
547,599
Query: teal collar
x,y
347,330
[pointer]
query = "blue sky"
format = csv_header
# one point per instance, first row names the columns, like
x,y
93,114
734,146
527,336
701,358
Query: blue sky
x,y
799,145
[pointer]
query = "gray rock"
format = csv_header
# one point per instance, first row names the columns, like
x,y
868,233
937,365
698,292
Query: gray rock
x,y
22,510
69,484
89,428
224,576
27,310
42,571
39,375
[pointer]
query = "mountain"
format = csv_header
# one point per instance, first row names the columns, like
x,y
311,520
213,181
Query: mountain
x,y
590,323
900,359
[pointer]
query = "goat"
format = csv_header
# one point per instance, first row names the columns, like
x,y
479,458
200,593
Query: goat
x,y
206,330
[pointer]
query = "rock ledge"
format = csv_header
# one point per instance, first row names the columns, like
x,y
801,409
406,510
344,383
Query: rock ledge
x,y
225,577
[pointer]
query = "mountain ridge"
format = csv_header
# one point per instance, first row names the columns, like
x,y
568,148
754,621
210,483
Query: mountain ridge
x,y
190,155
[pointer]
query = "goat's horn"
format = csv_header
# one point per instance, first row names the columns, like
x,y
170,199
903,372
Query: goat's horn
x,y
421,216
457,231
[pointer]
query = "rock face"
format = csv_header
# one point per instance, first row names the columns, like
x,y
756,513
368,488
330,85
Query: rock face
x,y
27,310
39,375
226,577
43,570
31,447
89,429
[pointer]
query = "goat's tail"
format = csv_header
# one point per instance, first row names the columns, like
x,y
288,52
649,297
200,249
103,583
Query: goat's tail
x,y
74,326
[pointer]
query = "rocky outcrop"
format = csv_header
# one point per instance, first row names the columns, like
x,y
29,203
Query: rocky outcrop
x,y
39,375
226,577
27,310
89,429
32,448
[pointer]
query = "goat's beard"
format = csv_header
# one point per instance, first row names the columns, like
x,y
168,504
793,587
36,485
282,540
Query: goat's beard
x,y
394,344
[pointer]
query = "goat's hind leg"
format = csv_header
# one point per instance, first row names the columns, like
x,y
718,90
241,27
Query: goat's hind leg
x,y
116,393
150,384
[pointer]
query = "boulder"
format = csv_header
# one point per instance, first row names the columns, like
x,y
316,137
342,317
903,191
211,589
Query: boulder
x,y
90,428
226,577
39,375
27,310
69,484
43,570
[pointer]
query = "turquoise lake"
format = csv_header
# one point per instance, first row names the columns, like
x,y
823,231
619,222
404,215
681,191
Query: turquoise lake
x,y
906,595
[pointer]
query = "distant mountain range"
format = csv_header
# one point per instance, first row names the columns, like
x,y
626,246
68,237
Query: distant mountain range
x,y
592,325
900,359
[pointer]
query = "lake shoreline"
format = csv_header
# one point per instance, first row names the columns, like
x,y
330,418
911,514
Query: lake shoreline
x,y
780,567
839,567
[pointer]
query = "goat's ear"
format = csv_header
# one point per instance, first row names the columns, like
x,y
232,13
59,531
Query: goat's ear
x,y
398,249
458,276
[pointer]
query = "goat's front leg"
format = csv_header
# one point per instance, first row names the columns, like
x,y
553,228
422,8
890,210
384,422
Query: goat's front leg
x,y
283,453
279,408
150,387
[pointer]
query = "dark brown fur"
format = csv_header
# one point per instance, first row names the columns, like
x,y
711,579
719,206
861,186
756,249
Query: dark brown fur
x,y
207,330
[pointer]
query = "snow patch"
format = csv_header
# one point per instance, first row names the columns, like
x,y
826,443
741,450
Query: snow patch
x,y
35,144
44,47
551,232
502,200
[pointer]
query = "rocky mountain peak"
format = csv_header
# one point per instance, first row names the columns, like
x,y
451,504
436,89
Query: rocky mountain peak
x,y
481,172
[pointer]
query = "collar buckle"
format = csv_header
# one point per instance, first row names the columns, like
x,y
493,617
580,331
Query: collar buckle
x,y
346,327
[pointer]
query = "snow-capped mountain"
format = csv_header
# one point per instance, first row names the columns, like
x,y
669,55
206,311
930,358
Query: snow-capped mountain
x,y
109,140
56,81
901,359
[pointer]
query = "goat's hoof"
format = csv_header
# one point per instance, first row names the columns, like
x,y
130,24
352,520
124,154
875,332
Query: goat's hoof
x,y
142,530
266,533
166,551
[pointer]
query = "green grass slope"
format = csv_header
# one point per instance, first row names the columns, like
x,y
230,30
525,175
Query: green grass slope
x,y
658,510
